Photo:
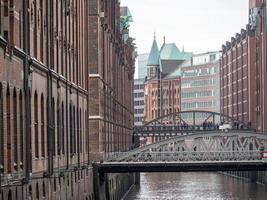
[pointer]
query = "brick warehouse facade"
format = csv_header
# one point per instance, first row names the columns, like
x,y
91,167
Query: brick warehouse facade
x,y
47,55
243,76
243,70
238,77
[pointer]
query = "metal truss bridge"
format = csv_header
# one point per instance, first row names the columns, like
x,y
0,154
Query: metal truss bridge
x,y
234,150
186,122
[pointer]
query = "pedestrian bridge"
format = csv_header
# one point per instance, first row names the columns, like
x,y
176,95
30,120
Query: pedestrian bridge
x,y
184,122
215,150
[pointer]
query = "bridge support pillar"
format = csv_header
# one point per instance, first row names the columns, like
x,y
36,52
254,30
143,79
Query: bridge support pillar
x,y
136,141
137,178
253,176
99,184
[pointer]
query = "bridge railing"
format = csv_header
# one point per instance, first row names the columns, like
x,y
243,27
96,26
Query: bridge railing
x,y
182,156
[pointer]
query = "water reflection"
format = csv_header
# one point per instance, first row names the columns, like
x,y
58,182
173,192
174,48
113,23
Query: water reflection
x,y
199,186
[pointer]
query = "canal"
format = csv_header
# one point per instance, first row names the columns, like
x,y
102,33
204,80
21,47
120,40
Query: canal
x,y
195,186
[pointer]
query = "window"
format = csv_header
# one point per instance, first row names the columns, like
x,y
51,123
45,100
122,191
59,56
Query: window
x,y
44,194
42,127
36,134
58,128
62,128
8,114
6,35
5,8
55,184
1,129
21,129
37,191
53,128
15,135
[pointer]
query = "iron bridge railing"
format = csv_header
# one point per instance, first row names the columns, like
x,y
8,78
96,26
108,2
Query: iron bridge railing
x,y
182,156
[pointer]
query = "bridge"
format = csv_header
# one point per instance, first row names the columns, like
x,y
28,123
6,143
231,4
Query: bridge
x,y
234,150
186,145
185,122
199,146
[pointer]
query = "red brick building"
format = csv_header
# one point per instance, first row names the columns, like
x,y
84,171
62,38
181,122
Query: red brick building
x,y
243,71
48,63
170,98
238,77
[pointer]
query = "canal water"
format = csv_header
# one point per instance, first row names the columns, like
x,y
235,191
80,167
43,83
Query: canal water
x,y
195,186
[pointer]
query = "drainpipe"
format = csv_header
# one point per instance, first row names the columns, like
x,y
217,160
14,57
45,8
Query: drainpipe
x,y
27,104
67,92
50,114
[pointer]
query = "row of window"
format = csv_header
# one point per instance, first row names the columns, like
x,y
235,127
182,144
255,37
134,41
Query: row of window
x,y
166,92
166,102
155,113
139,103
139,87
13,123
138,119
201,72
139,111
205,104
139,94
207,93
39,190
199,83
69,43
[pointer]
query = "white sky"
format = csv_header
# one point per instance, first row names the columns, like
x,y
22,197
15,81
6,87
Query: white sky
x,y
199,25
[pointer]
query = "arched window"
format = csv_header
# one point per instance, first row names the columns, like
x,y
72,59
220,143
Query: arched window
x,y
1,130
55,184
15,127
78,131
21,136
42,126
74,131
41,31
53,127
58,128
86,131
37,191
30,192
63,128
8,130
36,134
71,128
81,133
44,194
9,196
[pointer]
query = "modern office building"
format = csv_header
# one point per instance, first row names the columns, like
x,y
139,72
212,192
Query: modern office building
x,y
200,84
141,73
139,102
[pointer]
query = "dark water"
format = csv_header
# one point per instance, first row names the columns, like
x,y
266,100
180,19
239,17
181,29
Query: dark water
x,y
195,186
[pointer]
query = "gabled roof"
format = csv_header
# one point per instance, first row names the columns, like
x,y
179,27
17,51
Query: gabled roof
x,y
170,52
154,57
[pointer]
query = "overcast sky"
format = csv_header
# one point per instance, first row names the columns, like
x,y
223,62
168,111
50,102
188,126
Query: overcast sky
x,y
198,25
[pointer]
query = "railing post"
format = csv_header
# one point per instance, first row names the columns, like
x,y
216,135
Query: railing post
x,y
194,120
213,120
